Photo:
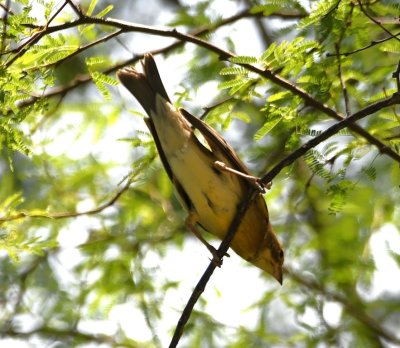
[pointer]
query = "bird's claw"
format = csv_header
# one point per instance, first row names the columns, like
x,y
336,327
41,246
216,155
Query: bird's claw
x,y
216,259
255,181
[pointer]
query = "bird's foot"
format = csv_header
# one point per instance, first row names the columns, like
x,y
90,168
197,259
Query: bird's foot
x,y
253,180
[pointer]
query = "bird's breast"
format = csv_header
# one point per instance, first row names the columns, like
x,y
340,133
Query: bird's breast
x,y
214,194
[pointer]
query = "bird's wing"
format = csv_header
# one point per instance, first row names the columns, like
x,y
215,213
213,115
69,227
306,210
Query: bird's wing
x,y
216,142
179,188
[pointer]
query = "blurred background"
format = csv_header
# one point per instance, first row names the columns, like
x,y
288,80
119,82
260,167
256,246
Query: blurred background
x,y
94,251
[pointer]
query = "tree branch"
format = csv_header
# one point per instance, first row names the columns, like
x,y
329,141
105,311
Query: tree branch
x,y
339,60
394,99
224,55
63,215
224,246
76,8
376,21
50,332
372,44
127,27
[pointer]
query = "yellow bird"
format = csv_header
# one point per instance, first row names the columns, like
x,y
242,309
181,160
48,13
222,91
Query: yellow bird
x,y
207,187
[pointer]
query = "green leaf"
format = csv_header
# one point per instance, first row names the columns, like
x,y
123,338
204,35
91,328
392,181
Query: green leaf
x,y
243,60
234,70
268,126
105,11
91,7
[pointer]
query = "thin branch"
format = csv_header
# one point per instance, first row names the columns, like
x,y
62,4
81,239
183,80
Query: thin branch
x,y
224,246
21,50
372,44
46,115
149,320
76,8
379,24
6,7
224,55
21,290
394,99
84,48
63,215
396,76
125,25
339,60
342,83
208,109
50,332
87,78
56,13
353,310
76,52
332,9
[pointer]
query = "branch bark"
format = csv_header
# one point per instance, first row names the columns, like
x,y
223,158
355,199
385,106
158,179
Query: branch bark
x,y
224,55
224,246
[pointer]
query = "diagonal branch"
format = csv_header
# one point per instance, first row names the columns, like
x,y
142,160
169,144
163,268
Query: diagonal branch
x,y
347,122
371,44
378,23
79,50
224,246
201,285
224,55
127,27
83,79
63,215
21,50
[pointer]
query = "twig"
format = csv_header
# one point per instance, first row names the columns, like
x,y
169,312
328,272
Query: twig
x,y
339,60
51,332
266,37
208,109
56,13
342,83
46,115
76,52
372,44
21,50
21,290
375,21
223,248
63,215
83,48
370,109
76,8
224,55
396,76
6,8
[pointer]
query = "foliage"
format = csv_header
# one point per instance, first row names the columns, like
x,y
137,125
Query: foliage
x,y
93,246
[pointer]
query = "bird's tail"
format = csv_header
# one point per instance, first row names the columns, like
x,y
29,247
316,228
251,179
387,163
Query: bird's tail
x,y
144,86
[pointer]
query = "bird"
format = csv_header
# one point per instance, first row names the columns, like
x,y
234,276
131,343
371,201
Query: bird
x,y
209,177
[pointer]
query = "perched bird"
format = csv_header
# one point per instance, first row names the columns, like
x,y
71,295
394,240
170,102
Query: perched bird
x,y
204,177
